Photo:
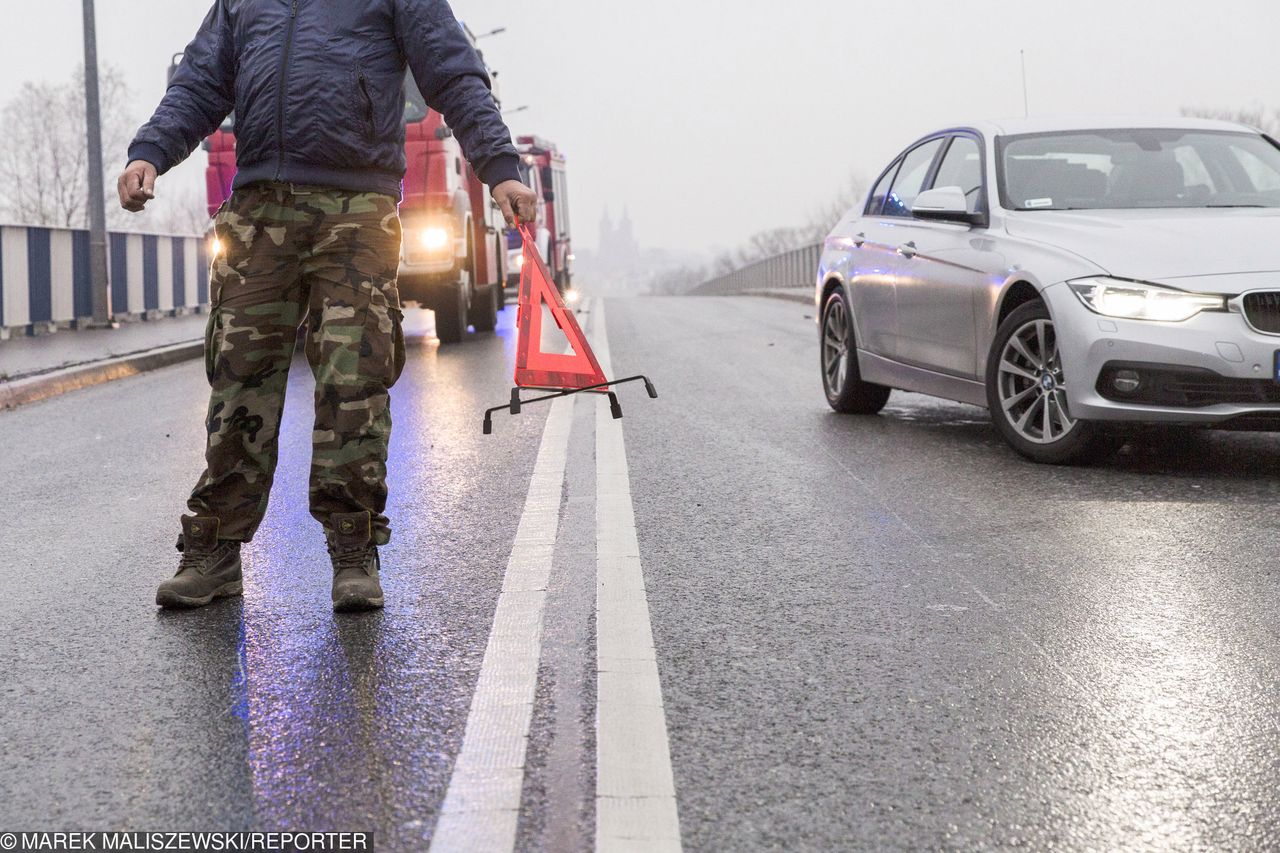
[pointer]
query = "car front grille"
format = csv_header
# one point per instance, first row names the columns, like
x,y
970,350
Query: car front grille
x,y
1263,310
1188,388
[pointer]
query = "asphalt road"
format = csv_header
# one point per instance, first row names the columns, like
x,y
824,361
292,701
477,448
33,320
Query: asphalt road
x,y
871,633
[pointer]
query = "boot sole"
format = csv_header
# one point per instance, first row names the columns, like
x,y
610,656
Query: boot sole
x,y
353,604
172,601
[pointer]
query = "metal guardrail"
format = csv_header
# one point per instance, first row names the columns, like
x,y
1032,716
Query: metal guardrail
x,y
45,284
797,268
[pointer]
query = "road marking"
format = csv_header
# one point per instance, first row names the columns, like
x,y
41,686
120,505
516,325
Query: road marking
x,y
635,786
482,806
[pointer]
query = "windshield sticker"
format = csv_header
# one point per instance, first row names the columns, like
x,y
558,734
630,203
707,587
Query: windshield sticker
x,y
1038,202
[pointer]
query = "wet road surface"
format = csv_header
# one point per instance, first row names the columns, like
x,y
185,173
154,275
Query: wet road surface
x,y
870,633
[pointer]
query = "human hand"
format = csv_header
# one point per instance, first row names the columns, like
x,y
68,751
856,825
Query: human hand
x,y
137,185
518,202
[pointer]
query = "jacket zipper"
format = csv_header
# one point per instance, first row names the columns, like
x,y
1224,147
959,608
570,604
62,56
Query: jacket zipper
x,y
368,106
284,72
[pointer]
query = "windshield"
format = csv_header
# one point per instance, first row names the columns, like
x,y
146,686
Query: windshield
x,y
415,106
1118,169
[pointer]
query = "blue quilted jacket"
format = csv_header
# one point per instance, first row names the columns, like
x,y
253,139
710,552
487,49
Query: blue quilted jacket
x,y
317,87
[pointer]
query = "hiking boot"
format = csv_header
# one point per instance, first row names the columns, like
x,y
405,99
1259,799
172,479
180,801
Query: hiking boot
x,y
355,562
209,568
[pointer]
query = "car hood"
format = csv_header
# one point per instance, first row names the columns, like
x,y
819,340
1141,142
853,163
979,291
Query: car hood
x,y
1225,250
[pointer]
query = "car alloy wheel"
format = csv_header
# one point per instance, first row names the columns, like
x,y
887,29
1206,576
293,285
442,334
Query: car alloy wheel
x,y
835,347
1031,385
837,350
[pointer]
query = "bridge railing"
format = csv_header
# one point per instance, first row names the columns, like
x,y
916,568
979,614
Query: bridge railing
x,y
797,268
45,279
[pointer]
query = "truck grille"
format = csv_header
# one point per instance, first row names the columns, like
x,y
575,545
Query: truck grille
x,y
415,255
1263,311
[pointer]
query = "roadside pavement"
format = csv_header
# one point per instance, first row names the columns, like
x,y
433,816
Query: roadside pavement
x,y
23,357
42,366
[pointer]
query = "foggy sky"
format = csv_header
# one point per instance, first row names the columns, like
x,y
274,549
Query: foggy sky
x,y
713,120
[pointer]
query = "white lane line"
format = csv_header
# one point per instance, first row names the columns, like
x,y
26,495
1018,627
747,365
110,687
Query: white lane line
x,y
482,805
635,787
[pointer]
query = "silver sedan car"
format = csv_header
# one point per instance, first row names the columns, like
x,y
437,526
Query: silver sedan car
x,y
1071,276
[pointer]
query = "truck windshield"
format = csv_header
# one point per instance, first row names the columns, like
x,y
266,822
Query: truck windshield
x,y
415,106
1132,169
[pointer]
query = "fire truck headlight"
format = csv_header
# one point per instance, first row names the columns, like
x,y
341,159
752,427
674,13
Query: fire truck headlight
x,y
215,247
434,239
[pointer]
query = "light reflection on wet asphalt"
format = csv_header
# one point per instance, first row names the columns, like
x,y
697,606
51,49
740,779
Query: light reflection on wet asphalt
x,y
873,633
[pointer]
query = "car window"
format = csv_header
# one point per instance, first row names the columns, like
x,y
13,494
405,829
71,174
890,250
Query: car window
x,y
962,167
910,179
1138,168
1195,172
882,189
1265,176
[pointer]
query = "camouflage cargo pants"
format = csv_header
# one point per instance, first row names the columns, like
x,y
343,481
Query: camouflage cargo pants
x,y
328,257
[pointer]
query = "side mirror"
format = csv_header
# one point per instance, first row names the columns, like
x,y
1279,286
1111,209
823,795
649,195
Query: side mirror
x,y
443,133
944,204
173,69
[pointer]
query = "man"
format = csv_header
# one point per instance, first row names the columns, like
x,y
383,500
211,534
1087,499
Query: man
x,y
311,232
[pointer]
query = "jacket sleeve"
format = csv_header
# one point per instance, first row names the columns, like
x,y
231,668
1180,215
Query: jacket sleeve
x,y
455,83
200,96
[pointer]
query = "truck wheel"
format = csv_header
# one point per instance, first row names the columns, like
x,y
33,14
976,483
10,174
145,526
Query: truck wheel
x,y
484,311
450,306
501,284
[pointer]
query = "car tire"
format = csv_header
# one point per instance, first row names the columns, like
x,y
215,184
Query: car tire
x,y
1026,393
484,311
837,358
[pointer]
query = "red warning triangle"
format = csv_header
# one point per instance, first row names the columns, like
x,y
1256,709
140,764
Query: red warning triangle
x,y
535,368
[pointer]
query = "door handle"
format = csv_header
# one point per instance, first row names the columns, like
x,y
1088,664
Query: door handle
x,y
859,239
908,249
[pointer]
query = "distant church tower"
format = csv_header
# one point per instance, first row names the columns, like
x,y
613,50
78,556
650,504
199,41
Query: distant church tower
x,y
606,234
626,237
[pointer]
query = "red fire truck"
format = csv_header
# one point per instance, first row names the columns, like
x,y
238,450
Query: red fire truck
x,y
543,169
454,253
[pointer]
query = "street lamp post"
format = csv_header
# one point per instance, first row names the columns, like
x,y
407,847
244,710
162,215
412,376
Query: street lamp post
x,y
98,276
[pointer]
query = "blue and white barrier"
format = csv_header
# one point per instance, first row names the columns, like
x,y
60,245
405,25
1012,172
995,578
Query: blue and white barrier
x,y
44,276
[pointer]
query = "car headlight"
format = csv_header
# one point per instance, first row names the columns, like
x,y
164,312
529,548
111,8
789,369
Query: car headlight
x,y
434,238
1132,300
517,261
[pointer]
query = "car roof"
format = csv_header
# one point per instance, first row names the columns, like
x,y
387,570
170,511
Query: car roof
x,y
1015,126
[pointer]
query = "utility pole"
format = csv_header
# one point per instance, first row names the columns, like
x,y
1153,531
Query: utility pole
x,y
98,275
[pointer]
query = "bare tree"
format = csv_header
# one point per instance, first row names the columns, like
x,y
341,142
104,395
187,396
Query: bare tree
x,y
44,165
1266,120
825,218
765,244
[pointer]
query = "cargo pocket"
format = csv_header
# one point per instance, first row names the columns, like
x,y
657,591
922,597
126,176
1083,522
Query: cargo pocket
x,y
397,320
384,333
212,343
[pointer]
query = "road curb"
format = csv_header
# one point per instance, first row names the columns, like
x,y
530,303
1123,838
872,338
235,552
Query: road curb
x,y
19,392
